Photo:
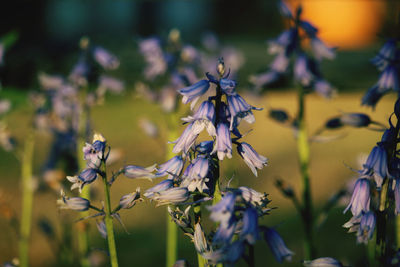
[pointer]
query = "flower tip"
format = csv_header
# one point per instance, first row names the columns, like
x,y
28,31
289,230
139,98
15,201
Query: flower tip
x,y
98,137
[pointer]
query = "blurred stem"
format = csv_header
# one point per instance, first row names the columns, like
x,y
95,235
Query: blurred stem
x,y
172,228
304,159
112,249
27,199
252,262
83,231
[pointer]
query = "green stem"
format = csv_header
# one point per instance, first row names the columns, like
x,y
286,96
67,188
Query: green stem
x,y
304,159
172,228
112,249
27,200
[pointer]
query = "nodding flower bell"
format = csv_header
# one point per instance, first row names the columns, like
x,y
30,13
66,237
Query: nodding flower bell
x,y
250,226
239,109
172,196
73,203
251,157
323,262
377,165
194,92
132,171
360,199
105,59
366,228
223,143
277,245
129,200
172,167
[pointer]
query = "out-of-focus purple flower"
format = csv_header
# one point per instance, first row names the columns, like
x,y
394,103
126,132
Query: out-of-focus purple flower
x,y
168,99
302,73
355,119
360,199
251,157
284,9
264,78
80,72
250,226
223,143
162,186
132,171
148,127
281,44
154,57
50,82
320,50
373,95
386,54
367,227
324,89
223,210
194,92
323,262
277,245
389,79
112,84
105,59
172,167
310,29
280,63
101,227
189,54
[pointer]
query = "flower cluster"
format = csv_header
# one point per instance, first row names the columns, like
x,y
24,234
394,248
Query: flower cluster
x,y
379,178
290,44
388,62
238,211
96,155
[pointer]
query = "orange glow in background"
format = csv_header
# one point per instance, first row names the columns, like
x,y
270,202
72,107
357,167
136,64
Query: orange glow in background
x,y
348,24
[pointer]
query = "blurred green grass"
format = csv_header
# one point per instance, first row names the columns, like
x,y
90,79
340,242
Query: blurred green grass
x,y
144,246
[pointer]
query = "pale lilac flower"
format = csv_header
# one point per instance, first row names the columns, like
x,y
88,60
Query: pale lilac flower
x,y
222,211
264,78
80,72
110,83
323,262
101,227
129,200
186,140
105,59
302,73
360,199
168,99
132,171
195,179
251,157
367,227
252,196
277,245
223,143
162,186
389,79
194,92
50,82
324,89
173,195
206,111
199,239
239,109
282,42
148,127
224,233
280,63
250,229
73,203
172,167
377,165
87,176
154,57
93,154
320,50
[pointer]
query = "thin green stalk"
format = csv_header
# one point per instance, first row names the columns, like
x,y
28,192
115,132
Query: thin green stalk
x,y
304,159
27,200
112,249
172,228
252,262
83,233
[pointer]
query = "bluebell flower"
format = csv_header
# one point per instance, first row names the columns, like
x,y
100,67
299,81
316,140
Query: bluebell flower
x,y
181,218
323,88
87,176
251,157
194,92
172,167
353,224
224,233
93,153
239,109
320,50
277,245
199,239
228,253
360,199
162,186
105,59
195,179
173,195
250,229
205,147
154,57
310,29
385,55
252,197
223,210
377,164
132,171
264,78
223,143
80,72
282,42
129,200
389,79
373,95
228,86
111,84
206,111
101,227
186,140
355,119
284,10
323,262
302,73
280,63
73,203
367,227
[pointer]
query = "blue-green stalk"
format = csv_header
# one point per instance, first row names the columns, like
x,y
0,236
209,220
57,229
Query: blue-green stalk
x,y
303,147
27,199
